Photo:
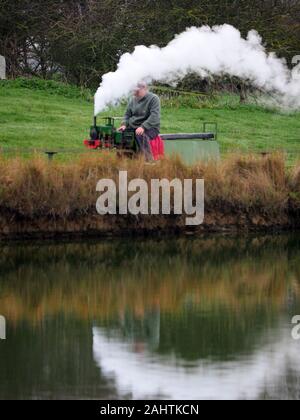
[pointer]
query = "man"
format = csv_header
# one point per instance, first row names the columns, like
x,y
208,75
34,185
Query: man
x,y
143,115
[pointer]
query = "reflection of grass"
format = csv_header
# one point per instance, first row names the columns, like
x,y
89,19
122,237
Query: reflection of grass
x,y
104,281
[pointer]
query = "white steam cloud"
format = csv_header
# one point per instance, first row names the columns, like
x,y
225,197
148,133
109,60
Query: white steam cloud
x,y
206,51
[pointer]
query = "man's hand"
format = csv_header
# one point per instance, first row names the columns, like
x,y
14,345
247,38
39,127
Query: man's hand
x,y
140,131
122,128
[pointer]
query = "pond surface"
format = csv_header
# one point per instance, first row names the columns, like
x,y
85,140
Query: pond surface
x,y
207,318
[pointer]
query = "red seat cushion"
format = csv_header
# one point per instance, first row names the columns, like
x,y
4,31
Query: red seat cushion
x,y
158,148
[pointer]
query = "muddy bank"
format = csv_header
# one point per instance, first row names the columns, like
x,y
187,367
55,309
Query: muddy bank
x,y
16,227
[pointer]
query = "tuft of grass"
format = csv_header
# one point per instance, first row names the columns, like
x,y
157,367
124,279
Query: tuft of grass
x,y
295,179
211,273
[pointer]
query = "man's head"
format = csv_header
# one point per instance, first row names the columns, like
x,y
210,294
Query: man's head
x,y
140,90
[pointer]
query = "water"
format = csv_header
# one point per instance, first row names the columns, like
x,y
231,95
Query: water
x,y
177,319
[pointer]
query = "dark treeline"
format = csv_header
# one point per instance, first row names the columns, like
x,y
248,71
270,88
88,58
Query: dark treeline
x,y
77,41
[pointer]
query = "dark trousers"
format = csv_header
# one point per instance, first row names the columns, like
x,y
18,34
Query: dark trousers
x,y
143,143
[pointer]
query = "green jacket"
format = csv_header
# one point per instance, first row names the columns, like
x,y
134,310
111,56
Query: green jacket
x,y
143,112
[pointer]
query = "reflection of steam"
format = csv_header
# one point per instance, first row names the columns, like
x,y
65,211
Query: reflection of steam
x,y
145,376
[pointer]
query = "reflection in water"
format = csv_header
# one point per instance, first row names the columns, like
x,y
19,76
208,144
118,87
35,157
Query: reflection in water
x,y
167,377
197,318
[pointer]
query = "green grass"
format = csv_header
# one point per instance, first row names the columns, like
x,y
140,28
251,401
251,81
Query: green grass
x,y
50,115
36,119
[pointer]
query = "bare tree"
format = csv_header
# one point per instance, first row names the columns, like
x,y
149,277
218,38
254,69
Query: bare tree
x,y
79,40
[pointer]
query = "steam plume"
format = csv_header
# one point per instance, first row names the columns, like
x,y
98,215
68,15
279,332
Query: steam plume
x,y
208,52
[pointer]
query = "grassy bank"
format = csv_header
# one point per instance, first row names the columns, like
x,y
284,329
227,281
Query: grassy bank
x,y
242,192
49,115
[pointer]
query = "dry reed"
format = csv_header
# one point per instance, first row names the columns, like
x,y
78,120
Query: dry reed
x,y
252,187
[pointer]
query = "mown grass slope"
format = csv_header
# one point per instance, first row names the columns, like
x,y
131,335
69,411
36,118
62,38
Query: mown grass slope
x,y
49,115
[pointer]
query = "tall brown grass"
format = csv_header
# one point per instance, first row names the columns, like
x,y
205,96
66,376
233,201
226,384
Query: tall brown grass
x,y
296,178
260,190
